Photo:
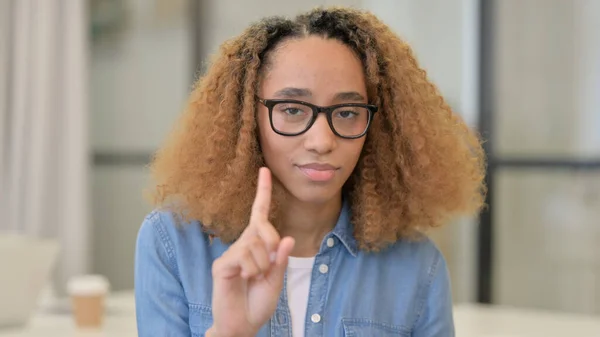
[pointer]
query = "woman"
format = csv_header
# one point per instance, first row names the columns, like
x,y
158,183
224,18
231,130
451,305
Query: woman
x,y
296,189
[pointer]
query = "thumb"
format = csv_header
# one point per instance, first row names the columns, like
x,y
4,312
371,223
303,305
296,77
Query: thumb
x,y
281,261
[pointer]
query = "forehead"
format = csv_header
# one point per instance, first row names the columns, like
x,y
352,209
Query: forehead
x,y
325,66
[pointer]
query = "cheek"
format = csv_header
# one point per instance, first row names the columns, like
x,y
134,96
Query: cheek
x,y
352,155
265,134
269,146
272,146
355,148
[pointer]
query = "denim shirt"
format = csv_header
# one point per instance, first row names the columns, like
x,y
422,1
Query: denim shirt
x,y
403,290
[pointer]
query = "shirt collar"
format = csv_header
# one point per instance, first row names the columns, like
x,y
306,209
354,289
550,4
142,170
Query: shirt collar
x,y
344,230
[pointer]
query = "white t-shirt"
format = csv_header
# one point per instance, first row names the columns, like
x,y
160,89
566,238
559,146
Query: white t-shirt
x,y
299,271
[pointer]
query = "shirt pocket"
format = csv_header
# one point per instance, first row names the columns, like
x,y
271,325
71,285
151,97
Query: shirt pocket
x,y
200,319
362,327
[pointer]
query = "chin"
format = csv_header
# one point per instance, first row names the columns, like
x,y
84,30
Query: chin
x,y
315,194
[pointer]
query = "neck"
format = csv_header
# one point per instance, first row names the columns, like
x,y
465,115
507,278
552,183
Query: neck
x,y
308,223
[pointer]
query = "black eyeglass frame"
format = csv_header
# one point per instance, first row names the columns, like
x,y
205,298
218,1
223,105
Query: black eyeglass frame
x,y
327,110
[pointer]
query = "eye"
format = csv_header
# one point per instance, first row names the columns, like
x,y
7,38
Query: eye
x,y
346,114
292,111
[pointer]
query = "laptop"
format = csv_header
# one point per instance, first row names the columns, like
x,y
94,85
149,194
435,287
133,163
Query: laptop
x,y
26,265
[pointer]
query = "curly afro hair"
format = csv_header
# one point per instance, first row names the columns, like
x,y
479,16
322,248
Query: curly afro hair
x,y
421,164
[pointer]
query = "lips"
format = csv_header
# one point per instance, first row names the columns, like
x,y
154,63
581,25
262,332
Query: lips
x,y
319,167
318,172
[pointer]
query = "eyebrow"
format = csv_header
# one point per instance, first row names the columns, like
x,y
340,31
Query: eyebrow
x,y
293,93
350,96
290,92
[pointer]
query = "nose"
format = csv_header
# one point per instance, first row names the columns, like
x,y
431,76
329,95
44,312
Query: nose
x,y
320,138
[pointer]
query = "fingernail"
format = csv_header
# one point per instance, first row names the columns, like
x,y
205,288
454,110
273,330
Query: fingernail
x,y
273,256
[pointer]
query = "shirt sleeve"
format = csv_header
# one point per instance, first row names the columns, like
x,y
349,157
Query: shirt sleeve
x,y
161,306
436,319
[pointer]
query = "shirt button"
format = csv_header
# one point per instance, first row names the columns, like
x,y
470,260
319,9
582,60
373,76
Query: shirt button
x,y
330,242
323,269
315,318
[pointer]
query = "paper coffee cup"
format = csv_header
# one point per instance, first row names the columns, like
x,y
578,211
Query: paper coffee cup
x,y
88,294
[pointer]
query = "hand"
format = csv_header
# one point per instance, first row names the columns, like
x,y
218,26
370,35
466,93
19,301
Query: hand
x,y
248,277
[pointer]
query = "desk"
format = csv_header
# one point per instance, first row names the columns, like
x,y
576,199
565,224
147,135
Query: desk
x,y
471,320
474,320
119,322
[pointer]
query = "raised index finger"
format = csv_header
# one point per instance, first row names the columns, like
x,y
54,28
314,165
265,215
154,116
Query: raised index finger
x,y
262,201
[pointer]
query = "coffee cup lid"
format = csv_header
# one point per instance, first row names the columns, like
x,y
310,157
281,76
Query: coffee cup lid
x,y
88,285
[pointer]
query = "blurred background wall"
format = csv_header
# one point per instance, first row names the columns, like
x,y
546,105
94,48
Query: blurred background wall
x,y
546,88
44,129
142,69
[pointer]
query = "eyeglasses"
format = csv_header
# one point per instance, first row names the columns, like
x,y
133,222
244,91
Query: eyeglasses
x,y
290,117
